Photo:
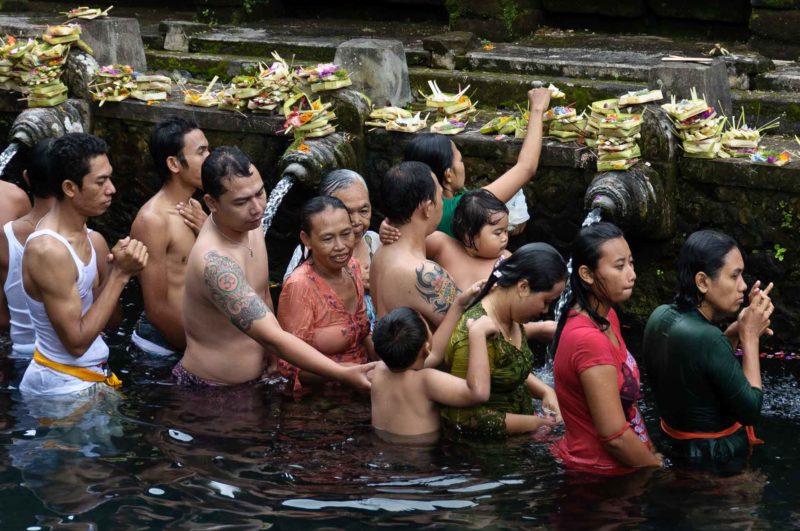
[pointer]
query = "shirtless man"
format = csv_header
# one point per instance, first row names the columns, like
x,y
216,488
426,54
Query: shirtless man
x,y
168,225
401,275
14,202
227,312
72,283
13,307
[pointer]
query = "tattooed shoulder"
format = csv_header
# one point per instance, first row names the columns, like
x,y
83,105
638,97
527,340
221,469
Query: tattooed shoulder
x,y
435,286
231,293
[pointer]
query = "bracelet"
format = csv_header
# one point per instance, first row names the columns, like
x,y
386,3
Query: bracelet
x,y
615,435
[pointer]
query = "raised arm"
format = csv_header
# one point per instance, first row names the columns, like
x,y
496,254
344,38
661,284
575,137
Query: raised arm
x,y
505,186
442,335
227,287
435,292
50,273
602,396
153,232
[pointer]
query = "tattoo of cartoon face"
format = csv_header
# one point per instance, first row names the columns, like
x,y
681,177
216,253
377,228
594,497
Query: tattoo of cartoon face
x,y
436,286
230,291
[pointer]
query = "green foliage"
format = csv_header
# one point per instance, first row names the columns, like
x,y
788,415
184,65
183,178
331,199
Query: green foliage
x,y
454,11
780,252
787,215
510,14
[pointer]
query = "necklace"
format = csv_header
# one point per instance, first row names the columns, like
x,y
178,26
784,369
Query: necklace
x,y
240,244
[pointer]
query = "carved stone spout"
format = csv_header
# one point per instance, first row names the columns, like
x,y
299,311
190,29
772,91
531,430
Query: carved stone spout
x,y
317,157
633,199
33,125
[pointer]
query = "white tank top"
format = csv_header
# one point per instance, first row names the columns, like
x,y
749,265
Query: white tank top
x,y
22,334
47,341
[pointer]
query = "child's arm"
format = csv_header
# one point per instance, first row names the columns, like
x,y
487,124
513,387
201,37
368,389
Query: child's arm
x,y
545,393
442,335
450,390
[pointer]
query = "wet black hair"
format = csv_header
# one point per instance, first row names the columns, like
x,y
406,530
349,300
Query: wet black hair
x,y
167,140
538,263
586,251
473,212
434,149
705,251
398,337
38,169
406,186
314,206
222,163
70,159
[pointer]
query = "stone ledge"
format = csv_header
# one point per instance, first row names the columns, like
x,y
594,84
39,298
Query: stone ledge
x,y
784,77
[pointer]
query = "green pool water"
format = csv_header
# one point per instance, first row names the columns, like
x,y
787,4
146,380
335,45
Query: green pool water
x,y
156,456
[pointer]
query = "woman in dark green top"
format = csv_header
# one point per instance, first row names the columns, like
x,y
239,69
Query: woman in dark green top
x,y
704,396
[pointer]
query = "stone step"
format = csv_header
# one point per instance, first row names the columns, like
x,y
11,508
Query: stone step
x,y
785,77
761,106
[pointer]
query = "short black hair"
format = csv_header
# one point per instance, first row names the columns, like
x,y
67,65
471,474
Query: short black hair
x,y
70,159
167,141
434,149
398,336
473,212
406,186
38,168
705,251
224,162
314,206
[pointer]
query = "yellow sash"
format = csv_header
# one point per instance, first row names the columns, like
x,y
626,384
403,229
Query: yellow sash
x,y
81,373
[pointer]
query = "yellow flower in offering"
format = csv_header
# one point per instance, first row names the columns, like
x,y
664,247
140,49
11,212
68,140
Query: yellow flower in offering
x,y
305,148
488,47
317,105
305,117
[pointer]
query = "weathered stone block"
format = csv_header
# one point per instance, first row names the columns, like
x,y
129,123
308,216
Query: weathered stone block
x,y
774,48
115,40
734,11
612,8
781,25
378,69
679,78
658,142
176,40
456,41
78,74
776,4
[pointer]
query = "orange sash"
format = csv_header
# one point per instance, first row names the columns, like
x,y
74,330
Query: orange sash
x,y
82,373
687,435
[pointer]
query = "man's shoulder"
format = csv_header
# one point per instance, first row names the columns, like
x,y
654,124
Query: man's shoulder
x,y
47,253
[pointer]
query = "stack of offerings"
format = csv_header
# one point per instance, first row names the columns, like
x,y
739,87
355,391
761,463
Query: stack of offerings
x,y
277,84
87,13
38,70
617,149
564,124
236,97
381,116
742,141
113,83
599,110
325,76
697,125
308,119
151,87
456,106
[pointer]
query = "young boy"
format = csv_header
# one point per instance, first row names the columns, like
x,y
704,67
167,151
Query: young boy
x,y
405,389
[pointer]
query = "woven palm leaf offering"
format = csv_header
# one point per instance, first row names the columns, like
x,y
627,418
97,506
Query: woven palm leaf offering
x,y
617,137
410,124
112,83
151,87
500,125
380,116
597,111
66,34
277,84
564,124
38,74
86,13
555,92
325,76
741,140
697,125
457,106
640,97
195,98
448,126
308,119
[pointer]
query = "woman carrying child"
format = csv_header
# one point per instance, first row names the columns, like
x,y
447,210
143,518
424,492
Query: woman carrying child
x,y
596,378
322,301
519,289
444,159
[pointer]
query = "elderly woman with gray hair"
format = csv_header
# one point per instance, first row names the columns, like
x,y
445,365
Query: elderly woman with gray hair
x,y
351,189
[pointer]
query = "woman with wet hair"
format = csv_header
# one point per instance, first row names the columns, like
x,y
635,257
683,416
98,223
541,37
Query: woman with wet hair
x,y
707,401
444,158
322,301
351,189
519,289
596,378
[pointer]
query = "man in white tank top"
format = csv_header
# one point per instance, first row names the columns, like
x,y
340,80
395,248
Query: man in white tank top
x,y
12,240
72,283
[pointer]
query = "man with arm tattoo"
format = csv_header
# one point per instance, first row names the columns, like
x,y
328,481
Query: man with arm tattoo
x,y
227,311
401,275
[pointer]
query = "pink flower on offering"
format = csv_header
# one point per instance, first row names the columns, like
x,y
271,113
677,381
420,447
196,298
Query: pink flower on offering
x,y
326,69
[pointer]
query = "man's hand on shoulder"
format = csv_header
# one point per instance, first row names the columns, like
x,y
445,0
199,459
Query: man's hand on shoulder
x,y
230,292
193,214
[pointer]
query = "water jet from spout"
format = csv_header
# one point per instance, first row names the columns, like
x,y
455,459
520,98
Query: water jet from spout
x,y
290,175
7,155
